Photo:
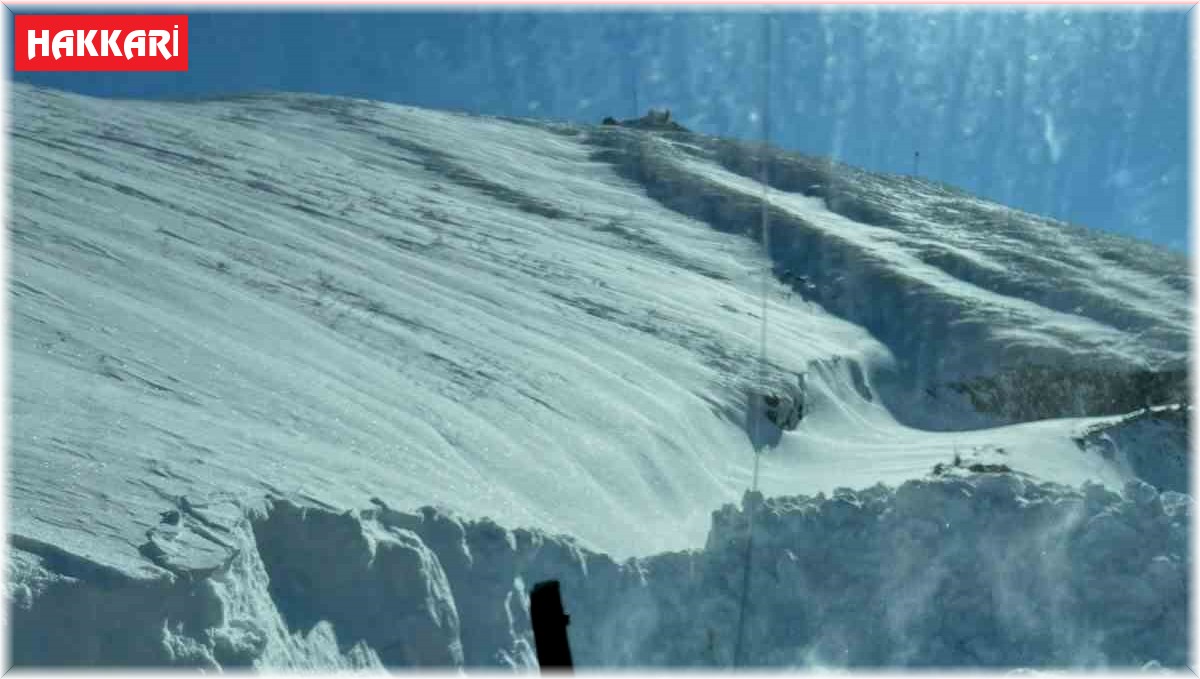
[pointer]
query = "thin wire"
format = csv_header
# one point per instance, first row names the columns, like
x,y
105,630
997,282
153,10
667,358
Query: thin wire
x,y
765,228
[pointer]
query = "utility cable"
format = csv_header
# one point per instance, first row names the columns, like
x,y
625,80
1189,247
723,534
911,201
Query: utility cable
x,y
754,403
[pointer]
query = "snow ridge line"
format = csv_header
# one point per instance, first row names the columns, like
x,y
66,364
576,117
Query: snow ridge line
x,y
1112,279
946,346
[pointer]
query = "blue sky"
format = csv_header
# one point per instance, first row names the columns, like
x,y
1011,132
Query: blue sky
x,y
1080,115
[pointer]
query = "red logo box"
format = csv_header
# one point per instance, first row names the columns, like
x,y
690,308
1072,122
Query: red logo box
x,y
100,42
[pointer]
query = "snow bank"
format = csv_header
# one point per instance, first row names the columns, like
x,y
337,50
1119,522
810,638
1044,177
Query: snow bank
x,y
982,570
959,570
1152,444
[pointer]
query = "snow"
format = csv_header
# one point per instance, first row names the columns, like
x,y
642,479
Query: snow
x,y
1152,444
980,570
235,321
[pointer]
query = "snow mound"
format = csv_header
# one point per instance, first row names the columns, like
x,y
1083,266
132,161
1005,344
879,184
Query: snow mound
x,y
989,570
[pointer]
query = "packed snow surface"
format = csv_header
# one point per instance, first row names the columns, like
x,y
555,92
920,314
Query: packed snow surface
x,y
234,321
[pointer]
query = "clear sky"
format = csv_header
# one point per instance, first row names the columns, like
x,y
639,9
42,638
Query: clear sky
x,y
1077,114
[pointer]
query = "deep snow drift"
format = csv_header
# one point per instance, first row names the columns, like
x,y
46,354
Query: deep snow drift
x,y
963,570
236,321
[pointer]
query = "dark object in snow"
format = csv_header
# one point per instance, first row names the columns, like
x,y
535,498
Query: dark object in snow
x,y
979,468
774,409
653,120
170,517
550,627
786,408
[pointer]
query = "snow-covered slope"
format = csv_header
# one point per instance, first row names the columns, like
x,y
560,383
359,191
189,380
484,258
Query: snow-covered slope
x,y
218,307
1021,317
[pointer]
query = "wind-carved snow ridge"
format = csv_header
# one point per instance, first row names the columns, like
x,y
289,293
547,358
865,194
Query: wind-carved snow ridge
x,y
250,336
987,570
993,315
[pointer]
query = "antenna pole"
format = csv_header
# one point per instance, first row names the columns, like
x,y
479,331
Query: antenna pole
x,y
756,410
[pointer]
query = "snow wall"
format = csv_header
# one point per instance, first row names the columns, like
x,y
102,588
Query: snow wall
x,y
960,569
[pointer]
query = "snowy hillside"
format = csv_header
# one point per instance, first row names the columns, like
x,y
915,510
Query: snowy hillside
x,y
252,329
